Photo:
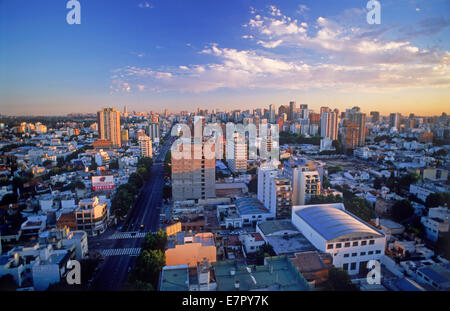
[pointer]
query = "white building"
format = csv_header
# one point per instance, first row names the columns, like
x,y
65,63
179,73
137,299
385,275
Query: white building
x,y
306,183
145,146
331,229
437,221
153,132
266,173
238,163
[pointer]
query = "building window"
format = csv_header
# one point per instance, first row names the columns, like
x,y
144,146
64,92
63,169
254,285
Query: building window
x,y
370,253
378,252
345,255
330,246
363,253
355,243
363,243
353,266
371,242
338,245
345,266
354,254
347,244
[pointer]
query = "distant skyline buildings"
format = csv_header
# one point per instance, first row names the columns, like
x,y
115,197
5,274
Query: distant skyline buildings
x,y
266,54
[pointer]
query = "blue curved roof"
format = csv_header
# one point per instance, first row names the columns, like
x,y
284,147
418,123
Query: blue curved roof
x,y
332,222
247,206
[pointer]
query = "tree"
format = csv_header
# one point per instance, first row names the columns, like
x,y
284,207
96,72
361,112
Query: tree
x,y
167,192
402,210
408,179
338,146
137,285
437,199
339,280
136,180
8,283
148,266
321,199
334,169
9,198
360,207
156,240
253,185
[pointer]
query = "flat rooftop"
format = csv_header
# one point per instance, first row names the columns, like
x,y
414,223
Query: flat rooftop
x,y
290,244
272,226
279,274
175,278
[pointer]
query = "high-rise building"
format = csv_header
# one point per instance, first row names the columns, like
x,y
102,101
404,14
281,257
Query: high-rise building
x,y
306,184
280,199
124,135
145,145
166,113
394,120
153,132
360,120
108,121
238,164
375,116
329,125
266,173
193,172
292,111
271,114
350,136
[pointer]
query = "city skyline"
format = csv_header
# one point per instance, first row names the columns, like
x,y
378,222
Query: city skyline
x,y
152,55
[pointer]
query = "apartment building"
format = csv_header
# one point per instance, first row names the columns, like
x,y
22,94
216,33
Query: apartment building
x,y
194,172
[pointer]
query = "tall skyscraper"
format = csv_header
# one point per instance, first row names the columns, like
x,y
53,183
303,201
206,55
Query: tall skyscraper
x,y
145,145
271,114
360,120
153,132
350,136
238,164
292,111
109,126
329,125
394,120
193,173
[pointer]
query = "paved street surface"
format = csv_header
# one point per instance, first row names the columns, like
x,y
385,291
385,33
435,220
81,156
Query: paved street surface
x,y
121,248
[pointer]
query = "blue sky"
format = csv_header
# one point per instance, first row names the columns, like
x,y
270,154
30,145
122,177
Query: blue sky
x,y
181,54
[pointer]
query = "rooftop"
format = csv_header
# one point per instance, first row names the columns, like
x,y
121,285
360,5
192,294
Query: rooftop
x,y
175,278
247,206
273,226
332,221
279,274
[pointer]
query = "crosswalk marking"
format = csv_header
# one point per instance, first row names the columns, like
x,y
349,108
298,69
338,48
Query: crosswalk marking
x,y
128,235
133,251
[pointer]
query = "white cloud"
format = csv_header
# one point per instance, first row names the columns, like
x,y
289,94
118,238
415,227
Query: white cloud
x,y
346,58
145,5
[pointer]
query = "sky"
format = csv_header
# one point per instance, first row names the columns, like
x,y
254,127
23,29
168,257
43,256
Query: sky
x,y
233,54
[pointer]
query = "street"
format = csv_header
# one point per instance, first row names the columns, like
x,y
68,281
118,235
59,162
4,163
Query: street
x,y
114,270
